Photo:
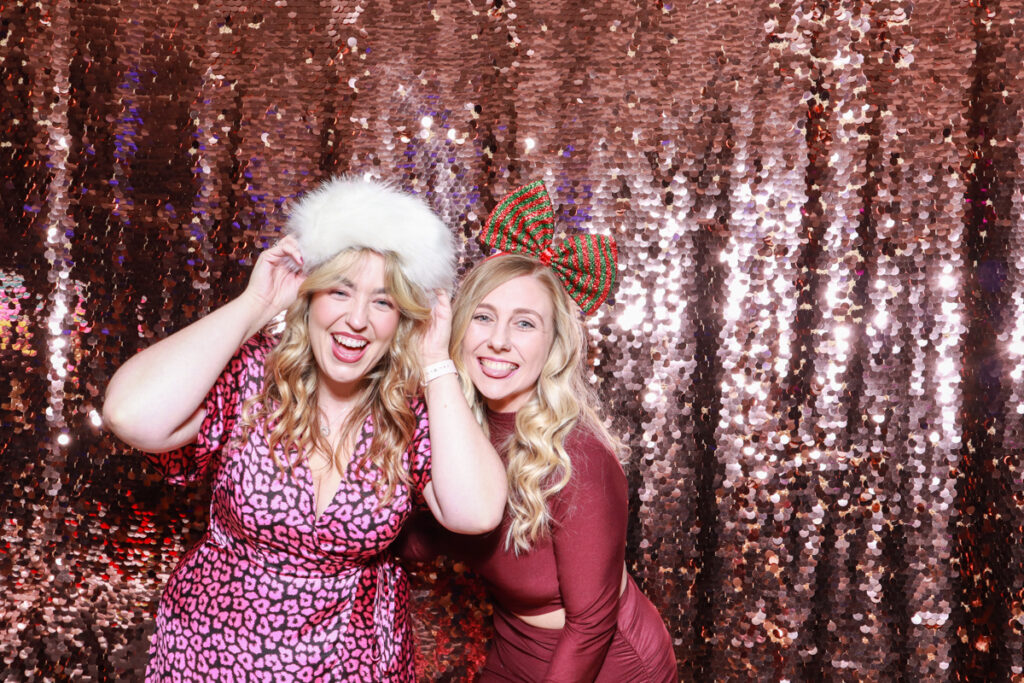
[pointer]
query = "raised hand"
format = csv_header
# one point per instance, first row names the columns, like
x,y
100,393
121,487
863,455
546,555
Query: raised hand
x,y
467,489
276,277
154,401
434,346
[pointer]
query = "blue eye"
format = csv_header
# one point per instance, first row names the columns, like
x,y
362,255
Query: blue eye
x,y
525,324
481,317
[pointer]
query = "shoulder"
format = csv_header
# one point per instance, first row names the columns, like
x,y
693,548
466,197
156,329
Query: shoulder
x,y
582,442
597,484
254,351
591,457
258,346
247,368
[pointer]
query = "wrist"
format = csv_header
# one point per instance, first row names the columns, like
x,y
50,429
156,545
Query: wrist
x,y
253,303
440,368
254,311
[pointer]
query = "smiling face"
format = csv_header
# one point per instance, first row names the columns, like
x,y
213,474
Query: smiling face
x,y
351,326
507,341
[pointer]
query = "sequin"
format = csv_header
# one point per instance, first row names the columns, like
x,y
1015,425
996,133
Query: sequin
x,y
815,353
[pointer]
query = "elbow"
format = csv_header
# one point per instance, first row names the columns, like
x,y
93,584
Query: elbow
x,y
119,422
491,513
481,525
134,428
116,419
120,412
495,512
146,423
485,519
472,527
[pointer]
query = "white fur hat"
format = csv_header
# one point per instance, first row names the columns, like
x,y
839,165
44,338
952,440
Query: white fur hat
x,y
344,213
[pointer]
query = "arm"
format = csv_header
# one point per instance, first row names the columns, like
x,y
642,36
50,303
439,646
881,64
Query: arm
x,y
467,488
154,400
589,540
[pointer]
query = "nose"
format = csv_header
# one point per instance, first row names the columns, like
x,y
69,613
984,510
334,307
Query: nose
x,y
358,314
499,340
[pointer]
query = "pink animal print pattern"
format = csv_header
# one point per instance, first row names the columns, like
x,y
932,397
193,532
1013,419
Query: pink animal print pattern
x,y
270,593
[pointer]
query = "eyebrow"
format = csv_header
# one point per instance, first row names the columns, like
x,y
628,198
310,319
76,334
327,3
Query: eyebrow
x,y
515,311
345,282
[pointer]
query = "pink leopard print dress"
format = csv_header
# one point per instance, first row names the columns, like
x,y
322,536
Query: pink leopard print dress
x,y
270,593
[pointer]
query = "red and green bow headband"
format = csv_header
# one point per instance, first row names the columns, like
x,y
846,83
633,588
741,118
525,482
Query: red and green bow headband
x,y
524,223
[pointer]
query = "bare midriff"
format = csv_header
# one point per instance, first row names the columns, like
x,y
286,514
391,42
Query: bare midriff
x,y
555,619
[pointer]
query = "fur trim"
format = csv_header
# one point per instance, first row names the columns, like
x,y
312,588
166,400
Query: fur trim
x,y
343,213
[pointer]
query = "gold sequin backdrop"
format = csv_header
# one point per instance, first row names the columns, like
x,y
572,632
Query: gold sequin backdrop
x,y
815,355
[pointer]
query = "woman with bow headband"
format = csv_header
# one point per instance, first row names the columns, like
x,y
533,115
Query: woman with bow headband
x,y
566,609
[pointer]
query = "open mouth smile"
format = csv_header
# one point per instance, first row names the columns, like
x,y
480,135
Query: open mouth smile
x,y
348,349
496,369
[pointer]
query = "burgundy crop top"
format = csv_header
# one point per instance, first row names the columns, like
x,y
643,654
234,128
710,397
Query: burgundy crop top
x,y
578,567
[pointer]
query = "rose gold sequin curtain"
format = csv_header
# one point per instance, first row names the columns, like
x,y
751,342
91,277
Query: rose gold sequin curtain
x,y
815,355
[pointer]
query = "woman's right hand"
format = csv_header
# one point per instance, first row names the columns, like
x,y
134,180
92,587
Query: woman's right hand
x,y
276,277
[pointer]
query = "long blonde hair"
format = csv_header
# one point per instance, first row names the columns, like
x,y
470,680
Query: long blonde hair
x,y
538,464
288,402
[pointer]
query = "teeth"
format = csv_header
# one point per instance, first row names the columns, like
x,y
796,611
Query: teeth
x,y
349,342
501,366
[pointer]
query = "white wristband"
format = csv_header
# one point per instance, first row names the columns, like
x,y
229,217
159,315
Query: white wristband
x,y
435,370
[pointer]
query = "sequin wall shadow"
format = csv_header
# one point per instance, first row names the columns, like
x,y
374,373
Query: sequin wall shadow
x,y
815,356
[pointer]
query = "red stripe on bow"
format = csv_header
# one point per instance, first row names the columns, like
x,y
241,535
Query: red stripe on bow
x,y
523,223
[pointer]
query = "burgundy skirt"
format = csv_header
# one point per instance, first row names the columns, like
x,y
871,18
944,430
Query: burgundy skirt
x,y
641,650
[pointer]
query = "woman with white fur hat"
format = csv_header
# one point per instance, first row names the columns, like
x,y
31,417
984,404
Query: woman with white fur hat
x,y
316,443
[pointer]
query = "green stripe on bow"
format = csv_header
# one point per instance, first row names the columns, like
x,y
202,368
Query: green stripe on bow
x,y
524,223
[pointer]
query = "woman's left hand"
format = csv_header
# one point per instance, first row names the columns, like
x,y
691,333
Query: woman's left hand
x,y
434,347
467,487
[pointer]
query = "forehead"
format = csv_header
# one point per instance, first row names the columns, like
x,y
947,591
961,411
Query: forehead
x,y
524,291
367,270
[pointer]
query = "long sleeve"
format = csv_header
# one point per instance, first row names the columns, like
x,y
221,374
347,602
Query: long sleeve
x,y
589,540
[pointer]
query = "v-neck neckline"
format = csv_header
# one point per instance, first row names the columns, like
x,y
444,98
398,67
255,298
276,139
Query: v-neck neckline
x,y
311,480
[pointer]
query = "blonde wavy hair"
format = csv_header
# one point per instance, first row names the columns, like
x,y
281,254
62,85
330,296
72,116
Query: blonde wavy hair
x,y
288,404
538,464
